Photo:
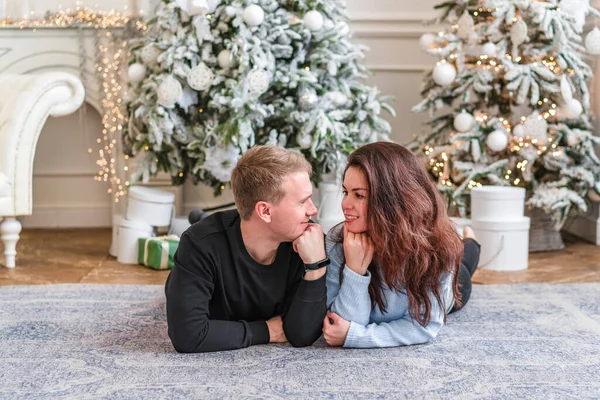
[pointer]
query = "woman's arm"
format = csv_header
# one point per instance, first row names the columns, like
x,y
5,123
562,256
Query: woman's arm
x,y
350,299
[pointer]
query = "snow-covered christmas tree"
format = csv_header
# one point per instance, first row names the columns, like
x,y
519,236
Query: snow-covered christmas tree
x,y
212,78
509,102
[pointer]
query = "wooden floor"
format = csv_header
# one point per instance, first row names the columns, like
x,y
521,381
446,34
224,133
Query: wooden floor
x,y
81,256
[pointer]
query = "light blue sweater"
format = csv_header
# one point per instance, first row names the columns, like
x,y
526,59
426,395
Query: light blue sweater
x,y
370,327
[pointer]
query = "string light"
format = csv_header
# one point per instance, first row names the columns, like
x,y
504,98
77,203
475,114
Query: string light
x,y
111,57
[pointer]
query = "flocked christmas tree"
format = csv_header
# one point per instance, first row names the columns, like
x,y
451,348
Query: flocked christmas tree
x,y
509,102
212,78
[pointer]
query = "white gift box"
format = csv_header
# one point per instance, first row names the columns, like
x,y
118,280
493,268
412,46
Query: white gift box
x,y
504,244
152,206
128,234
497,203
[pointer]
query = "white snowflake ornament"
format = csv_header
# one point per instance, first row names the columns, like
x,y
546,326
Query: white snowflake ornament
x,y
536,128
258,81
149,54
169,92
200,77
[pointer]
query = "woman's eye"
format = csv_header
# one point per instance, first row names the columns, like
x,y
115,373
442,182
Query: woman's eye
x,y
345,192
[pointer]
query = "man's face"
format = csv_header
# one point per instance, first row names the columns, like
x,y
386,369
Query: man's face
x,y
290,217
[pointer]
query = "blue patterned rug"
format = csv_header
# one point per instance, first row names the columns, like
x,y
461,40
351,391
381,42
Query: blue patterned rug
x,y
110,341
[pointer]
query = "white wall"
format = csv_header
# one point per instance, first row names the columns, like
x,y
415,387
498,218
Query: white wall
x,y
65,193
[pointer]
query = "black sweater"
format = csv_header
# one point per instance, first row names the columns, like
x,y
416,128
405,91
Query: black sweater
x,y
219,297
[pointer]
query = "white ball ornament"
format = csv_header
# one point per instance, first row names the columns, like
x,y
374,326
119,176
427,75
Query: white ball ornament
x,y
571,109
444,73
464,122
313,20
592,42
427,40
149,54
224,59
497,140
169,92
489,49
200,77
253,15
304,141
136,72
258,81
230,11
518,131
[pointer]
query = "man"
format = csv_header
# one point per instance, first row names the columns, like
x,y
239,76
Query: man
x,y
256,274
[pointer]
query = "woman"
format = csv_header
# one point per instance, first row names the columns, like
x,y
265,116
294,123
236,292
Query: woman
x,y
396,268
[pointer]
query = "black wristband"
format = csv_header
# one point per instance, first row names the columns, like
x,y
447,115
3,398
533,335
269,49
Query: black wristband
x,y
317,265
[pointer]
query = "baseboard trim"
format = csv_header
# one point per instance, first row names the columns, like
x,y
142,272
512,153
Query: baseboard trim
x,y
99,216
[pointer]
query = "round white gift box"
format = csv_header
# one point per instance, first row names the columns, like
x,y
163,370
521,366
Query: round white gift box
x,y
129,232
504,244
152,206
497,203
114,244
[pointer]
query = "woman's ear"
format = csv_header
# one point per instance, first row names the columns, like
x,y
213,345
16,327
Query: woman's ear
x,y
263,210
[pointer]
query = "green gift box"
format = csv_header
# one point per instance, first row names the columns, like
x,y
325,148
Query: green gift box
x,y
157,252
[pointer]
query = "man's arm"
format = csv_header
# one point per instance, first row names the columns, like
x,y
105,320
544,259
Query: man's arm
x,y
303,319
189,290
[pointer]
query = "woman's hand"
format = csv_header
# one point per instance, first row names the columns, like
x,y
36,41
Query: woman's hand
x,y
358,250
335,333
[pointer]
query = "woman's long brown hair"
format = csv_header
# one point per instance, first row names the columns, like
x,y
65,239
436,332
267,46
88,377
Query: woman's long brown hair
x,y
415,241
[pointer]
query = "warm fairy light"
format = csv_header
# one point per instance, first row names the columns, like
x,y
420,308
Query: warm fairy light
x,y
109,62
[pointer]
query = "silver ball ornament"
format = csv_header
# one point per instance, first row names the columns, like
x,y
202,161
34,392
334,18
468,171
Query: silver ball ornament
x,y
308,100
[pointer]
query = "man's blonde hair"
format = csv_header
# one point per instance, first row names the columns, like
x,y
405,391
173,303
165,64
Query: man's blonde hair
x,y
259,174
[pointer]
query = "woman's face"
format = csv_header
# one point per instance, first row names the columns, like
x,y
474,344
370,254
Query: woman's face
x,y
355,201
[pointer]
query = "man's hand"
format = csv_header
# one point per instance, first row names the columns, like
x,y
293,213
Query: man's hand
x,y
311,244
276,333
335,333
358,250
